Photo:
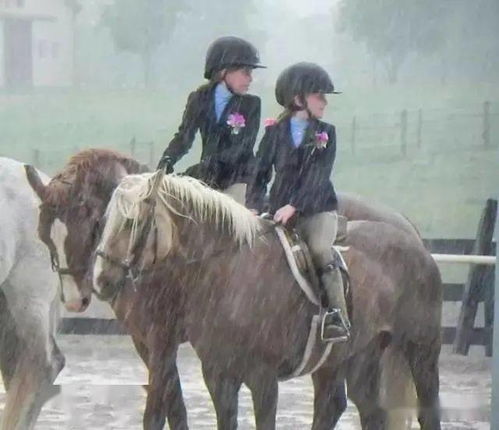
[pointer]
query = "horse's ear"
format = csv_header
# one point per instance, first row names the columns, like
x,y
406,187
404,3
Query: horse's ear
x,y
35,181
134,166
144,168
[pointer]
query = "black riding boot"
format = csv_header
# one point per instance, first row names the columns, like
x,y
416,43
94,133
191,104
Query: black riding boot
x,y
335,323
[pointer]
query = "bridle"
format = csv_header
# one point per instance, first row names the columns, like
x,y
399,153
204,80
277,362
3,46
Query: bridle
x,y
46,221
47,218
129,264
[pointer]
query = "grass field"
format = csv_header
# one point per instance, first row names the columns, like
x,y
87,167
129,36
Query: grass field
x,y
441,185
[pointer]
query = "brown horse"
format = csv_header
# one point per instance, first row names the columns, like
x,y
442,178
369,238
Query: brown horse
x,y
78,196
355,208
95,166
226,287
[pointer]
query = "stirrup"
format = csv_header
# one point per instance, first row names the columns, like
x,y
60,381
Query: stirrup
x,y
334,314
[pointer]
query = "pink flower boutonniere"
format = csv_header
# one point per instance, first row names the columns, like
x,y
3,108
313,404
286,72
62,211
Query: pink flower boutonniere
x,y
321,139
269,121
236,121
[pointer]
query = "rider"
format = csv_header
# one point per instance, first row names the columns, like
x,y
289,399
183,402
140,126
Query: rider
x,y
227,117
301,148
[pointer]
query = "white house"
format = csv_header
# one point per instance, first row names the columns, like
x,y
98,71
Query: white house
x,y
36,43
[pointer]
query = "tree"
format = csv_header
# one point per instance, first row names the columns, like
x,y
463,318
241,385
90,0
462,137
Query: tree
x,y
141,26
200,23
472,38
393,29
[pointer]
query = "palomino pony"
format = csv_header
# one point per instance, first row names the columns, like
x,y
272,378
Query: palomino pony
x,y
30,359
225,286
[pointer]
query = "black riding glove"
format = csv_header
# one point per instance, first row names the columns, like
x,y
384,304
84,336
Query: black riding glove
x,y
166,163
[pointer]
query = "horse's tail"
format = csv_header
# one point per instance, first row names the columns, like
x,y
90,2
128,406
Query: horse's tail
x,y
398,395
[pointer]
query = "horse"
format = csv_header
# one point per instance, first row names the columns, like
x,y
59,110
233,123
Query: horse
x,y
226,287
78,196
355,208
30,359
127,306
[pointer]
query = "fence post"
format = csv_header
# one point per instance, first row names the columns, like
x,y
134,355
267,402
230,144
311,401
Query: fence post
x,y
133,146
494,404
488,307
420,127
354,130
151,154
36,158
403,132
486,125
473,289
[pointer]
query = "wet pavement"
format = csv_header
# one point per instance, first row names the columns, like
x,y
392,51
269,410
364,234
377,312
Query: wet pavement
x,y
101,388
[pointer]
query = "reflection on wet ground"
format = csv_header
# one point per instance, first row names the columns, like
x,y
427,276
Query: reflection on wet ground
x,y
101,388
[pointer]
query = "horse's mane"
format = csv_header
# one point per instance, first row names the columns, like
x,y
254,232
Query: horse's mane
x,y
178,196
78,169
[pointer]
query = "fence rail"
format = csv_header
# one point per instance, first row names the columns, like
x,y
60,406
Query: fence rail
x,y
376,137
409,131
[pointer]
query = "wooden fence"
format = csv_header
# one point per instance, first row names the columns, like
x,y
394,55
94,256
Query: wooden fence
x,y
373,137
408,131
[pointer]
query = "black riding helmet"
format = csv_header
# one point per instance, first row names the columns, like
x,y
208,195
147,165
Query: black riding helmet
x,y
230,51
301,79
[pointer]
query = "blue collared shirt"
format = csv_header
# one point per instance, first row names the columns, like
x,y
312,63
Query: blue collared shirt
x,y
222,97
298,127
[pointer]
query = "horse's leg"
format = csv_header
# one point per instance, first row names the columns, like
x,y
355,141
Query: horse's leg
x,y
264,392
330,399
363,382
9,343
141,348
59,361
164,393
423,362
143,352
224,393
38,362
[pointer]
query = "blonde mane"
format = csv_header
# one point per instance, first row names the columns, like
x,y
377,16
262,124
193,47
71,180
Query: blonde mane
x,y
177,196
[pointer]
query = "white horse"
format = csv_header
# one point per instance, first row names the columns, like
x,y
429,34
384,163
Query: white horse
x,y
29,301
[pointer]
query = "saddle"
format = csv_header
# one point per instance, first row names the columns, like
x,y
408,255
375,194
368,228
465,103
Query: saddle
x,y
301,264
305,273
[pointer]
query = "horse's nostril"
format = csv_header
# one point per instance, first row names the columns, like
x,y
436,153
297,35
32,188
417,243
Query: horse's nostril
x,y
85,301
